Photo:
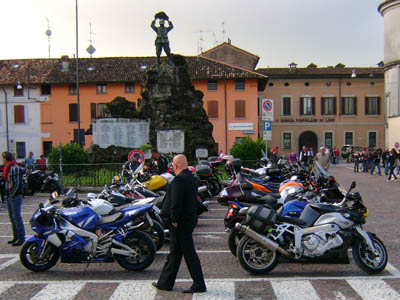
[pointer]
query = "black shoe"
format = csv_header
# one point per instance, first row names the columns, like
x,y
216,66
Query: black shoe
x,y
11,241
157,287
17,243
195,290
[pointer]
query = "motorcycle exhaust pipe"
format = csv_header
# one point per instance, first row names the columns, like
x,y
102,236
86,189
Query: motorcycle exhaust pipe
x,y
261,239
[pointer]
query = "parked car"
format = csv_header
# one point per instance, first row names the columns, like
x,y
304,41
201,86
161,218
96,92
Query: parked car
x,y
345,150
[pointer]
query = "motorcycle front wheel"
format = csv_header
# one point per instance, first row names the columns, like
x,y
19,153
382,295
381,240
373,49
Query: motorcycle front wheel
x,y
369,261
213,186
254,257
30,256
143,251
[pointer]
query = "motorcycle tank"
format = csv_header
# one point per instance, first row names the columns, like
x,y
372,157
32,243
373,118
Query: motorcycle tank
x,y
336,218
155,182
83,217
100,206
293,208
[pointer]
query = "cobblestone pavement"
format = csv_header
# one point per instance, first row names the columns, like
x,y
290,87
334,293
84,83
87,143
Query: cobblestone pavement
x,y
225,278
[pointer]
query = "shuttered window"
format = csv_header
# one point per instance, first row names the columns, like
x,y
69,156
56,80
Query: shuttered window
x,y
239,85
286,106
328,106
212,85
307,106
372,105
19,114
349,106
212,109
240,109
73,112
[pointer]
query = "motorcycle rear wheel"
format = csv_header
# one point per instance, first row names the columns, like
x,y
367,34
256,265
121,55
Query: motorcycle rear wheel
x,y
255,258
29,257
369,262
233,241
144,253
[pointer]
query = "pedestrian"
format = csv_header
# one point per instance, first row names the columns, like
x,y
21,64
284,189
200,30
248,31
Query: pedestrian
x,y
292,157
42,164
333,156
13,186
357,161
275,153
179,215
376,160
323,158
30,161
338,155
385,156
158,162
304,156
392,164
365,158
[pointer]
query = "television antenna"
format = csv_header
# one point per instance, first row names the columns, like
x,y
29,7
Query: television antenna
x,y
91,49
48,33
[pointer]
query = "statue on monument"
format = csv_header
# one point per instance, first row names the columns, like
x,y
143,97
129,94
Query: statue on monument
x,y
162,41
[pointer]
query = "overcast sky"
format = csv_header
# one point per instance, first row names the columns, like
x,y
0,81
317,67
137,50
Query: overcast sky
x,y
324,32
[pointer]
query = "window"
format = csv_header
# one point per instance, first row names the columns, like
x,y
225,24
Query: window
x,y
45,89
307,106
73,112
99,110
47,146
212,109
372,105
212,85
348,138
287,140
239,140
286,106
19,114
328,138
20,147
328,106
129,87
372,138
72,89
81,136
18,91
240,109
349,105
101,88
239,84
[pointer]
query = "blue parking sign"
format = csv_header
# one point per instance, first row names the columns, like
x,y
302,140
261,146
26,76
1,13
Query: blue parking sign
x,y
267,126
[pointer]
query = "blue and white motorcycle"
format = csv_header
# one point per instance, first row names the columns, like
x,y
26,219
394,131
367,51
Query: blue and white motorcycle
x,y
80,235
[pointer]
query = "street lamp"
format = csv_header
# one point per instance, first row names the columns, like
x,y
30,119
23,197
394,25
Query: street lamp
x,y
6,104
77,75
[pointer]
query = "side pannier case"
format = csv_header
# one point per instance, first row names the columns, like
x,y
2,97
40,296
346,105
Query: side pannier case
x,y
259,218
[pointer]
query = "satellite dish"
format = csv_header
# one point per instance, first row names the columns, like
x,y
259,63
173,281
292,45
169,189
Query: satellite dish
x,y
48,32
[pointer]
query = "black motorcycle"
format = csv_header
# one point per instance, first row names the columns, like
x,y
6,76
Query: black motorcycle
x,y
39,181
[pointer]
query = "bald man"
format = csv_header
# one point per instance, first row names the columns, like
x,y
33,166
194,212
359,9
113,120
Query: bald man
x,y
179,213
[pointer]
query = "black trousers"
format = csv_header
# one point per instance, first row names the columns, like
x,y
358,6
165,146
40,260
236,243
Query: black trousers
x,y
181,244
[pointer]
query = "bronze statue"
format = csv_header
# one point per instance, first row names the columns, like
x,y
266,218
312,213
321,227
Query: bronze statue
x,y
162,41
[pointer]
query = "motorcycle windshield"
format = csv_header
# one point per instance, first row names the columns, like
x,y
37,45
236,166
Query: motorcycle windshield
x,y
319,171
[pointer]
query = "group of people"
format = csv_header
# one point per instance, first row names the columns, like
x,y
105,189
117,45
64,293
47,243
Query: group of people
x,y
372,158
31,163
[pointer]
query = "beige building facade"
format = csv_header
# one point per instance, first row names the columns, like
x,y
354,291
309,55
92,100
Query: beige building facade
x,y
331,107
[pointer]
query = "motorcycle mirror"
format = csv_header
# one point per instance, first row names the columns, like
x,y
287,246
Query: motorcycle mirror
x,y
353,185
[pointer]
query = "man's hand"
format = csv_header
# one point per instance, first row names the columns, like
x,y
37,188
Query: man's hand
x,y
175,225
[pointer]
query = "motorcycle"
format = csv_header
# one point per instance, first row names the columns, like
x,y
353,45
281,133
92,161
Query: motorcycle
x,y
79,235
323,233
39,181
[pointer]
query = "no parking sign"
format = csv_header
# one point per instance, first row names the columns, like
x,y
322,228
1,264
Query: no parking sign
x,y
268,109
137,152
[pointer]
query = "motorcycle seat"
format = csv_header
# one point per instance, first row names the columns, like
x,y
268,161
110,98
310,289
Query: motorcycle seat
x,y
109,219
294,221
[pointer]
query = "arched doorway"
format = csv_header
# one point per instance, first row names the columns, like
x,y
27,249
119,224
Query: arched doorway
x,y
308,139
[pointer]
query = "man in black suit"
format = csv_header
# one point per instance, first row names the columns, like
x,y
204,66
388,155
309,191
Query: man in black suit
x,y
179,214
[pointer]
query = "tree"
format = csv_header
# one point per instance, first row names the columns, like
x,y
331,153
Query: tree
x,y
247,149
72,154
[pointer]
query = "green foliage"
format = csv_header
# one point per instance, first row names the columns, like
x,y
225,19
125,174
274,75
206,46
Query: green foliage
x,y
247,149
72,154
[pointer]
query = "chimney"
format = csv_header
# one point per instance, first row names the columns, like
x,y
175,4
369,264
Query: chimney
x,y
64,63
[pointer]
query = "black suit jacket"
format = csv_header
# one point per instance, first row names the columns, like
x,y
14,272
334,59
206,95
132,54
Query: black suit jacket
x,y
180,203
